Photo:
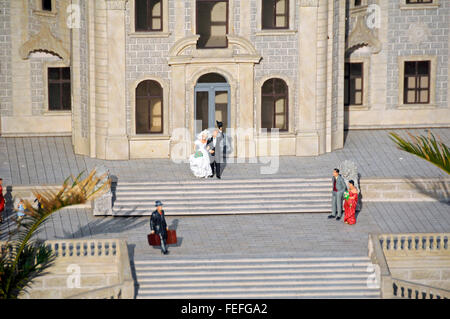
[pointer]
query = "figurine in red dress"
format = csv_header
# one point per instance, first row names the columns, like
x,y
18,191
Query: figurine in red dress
x,y
350,204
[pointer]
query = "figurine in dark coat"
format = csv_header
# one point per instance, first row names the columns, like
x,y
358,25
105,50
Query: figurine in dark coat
x,y
158,225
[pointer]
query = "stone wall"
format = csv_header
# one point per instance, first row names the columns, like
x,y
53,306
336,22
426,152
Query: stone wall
x,y
404,39
146,57
390,189
5,59
421,258
97,268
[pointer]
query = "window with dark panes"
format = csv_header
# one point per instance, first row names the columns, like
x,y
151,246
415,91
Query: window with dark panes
x,y
418,1
357,3
47,5
275,14
274,105
353,84
148,15
59,93
149,107
212,23
417,82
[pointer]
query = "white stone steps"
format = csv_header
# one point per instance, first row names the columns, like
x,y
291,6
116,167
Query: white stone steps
x,y
213,192
215,211
236,196
252,265
255,277
149,278
217,201
206,186
230,181
168,260
214,197
324,294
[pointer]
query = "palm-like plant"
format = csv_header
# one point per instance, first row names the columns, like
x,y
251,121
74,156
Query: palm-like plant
x,y
426,147
23,259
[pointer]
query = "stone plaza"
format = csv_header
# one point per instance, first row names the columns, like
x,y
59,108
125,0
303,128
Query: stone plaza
x,y
29,161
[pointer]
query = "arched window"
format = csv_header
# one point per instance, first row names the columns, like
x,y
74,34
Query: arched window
x,y
274,105
149,107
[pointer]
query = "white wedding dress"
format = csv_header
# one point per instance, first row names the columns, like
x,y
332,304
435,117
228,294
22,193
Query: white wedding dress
x,y
200,165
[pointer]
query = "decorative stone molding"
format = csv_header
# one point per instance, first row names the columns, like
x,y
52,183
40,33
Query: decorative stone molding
x,y
418,33
44,41
309,3
247,53
361,35
116,4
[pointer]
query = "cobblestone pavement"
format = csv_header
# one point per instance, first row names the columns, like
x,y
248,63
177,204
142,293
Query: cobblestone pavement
x,y
49,160
263,235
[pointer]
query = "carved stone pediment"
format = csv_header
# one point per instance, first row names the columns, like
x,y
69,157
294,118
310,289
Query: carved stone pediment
x,y
44,41
239,50
361,35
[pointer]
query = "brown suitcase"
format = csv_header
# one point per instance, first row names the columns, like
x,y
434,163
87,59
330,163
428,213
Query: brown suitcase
x,y
154,240
171,237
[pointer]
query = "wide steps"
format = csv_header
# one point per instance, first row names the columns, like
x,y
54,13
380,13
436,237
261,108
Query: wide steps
x,y
218,197
284,277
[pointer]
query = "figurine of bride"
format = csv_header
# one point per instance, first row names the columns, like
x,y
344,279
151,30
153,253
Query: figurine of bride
x,y
199,161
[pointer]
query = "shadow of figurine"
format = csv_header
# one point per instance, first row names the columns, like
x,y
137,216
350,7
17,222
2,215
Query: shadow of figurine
x,y
174,224
9,201
114,180
359,204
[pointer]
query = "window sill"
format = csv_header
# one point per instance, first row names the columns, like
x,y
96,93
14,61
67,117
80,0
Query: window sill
x,y
281,134
153,34
57,113
44,13
419,6
416,106
275,32
356,108
149,137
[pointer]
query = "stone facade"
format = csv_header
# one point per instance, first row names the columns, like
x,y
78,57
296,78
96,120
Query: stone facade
x,y
109,58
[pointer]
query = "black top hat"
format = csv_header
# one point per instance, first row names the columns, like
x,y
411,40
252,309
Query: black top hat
x,y
158,203
219,124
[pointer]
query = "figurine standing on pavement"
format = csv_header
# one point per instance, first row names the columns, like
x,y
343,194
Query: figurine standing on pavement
x,y
158,225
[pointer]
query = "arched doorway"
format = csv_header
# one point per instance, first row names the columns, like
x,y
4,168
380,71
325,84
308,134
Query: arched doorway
x,y
212,102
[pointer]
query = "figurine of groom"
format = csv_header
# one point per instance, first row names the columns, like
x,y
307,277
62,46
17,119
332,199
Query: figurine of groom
x,y
339,188
216,146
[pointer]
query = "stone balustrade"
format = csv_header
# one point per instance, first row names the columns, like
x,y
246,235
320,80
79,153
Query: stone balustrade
x,y
85,268
417,243
405,289
412,265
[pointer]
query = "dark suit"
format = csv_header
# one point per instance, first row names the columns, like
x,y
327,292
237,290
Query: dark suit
x,y
159,225
216,158
338,195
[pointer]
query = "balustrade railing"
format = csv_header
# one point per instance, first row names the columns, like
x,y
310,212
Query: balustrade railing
x,y
415,242
409,290
381,245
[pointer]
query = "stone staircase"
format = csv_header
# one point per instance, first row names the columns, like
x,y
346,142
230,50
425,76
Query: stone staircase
x,y
218,197
284,277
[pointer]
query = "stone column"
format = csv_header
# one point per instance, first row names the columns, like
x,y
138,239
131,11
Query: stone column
x,y
246,146
180,143
21,69
307,137
116,142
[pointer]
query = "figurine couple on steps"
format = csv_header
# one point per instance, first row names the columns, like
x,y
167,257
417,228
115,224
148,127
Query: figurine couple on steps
x,y
209,153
